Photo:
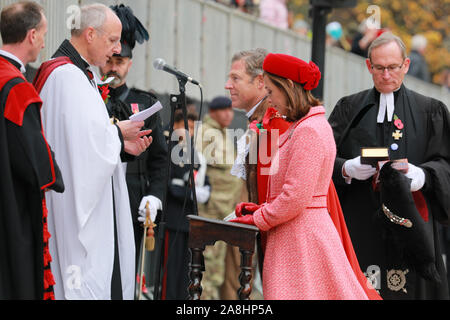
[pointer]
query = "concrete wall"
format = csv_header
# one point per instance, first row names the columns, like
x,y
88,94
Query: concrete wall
x,y
199,37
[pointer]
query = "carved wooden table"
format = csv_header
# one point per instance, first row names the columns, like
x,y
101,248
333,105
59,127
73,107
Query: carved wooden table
x,y
204,232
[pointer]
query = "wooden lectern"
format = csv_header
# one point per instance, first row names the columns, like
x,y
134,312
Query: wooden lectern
x,y
205,232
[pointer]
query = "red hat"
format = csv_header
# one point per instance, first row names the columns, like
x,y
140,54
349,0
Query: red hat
x,y
283,65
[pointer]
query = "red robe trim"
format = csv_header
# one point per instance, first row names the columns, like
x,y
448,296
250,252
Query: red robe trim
x,y
421,204
46,69
20,96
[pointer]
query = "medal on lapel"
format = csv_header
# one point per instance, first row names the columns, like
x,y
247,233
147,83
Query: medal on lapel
x,y
135,108
397,134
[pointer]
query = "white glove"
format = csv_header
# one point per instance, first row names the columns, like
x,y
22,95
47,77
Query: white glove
x,y
154,205
203,193
355,170
417,175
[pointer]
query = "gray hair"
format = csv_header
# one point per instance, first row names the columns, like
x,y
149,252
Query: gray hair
x,y
92,15
253,60
418,42
385,38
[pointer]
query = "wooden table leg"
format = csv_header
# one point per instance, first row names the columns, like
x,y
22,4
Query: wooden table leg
x,y
196,274
246,275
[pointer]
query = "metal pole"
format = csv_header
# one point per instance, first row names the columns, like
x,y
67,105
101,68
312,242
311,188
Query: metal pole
x,y
319,15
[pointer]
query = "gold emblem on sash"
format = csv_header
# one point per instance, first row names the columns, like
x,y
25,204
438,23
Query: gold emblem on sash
x,y
396,280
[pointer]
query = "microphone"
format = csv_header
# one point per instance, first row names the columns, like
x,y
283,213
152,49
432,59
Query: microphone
x,y
160,64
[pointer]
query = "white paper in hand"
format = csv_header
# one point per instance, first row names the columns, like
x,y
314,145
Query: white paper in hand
x,y
143,115
231,216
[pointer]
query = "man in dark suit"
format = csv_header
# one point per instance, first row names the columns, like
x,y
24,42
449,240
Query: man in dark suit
x,y
412,127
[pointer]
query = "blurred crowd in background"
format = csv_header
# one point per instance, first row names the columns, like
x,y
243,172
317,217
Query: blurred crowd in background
x,y
427,48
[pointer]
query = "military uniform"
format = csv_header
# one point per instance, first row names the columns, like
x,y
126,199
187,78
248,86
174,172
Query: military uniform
x,y
146,174
225,194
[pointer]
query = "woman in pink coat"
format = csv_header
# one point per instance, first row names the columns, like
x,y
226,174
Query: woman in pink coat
x,y
304,256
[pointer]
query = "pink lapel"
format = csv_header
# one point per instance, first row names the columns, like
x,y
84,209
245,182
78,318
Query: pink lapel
x,y
314,111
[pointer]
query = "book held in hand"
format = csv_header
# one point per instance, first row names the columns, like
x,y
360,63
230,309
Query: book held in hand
x,y
372,156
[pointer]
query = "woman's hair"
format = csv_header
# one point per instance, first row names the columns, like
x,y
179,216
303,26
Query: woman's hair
x,y
299,101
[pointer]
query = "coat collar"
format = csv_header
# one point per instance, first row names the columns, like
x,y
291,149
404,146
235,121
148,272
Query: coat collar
x,y
314,111
68,50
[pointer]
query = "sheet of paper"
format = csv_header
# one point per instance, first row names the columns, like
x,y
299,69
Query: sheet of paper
x,y
229,217
143,115
107,81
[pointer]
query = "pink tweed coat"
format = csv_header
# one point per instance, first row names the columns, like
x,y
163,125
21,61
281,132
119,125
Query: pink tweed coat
x,y
304,257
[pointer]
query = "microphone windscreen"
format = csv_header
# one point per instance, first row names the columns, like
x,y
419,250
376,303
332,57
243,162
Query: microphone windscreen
x,y
159,64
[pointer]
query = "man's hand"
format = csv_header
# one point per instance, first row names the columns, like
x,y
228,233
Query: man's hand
x,y
417,176
137,146
132,130
355,170
154,205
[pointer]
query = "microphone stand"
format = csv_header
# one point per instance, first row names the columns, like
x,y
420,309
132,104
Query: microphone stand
x,y
176,102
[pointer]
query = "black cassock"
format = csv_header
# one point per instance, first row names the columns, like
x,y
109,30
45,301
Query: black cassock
x,y
425,142
26,167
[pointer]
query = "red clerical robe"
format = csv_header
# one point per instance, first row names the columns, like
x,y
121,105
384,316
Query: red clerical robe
x,y
28,169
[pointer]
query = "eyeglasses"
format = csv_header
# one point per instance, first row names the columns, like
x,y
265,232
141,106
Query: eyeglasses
x,y
391,68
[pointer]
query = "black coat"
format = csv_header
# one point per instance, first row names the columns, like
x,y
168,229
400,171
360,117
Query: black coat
x,y
179,194
146,173
25,168
425,143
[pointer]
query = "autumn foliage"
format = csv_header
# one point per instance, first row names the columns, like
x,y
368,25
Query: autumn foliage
x,y
430,18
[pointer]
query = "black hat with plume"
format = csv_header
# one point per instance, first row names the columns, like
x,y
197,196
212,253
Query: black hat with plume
x,y
132,30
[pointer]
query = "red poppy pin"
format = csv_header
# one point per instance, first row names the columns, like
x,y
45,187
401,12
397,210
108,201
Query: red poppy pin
x,y
103,87
398,123
104,91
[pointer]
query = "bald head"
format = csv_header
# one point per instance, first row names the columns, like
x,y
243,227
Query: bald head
x,y
96,33
93,15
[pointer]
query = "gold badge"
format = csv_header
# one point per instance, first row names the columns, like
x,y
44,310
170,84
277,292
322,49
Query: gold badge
x,y
397,135
396,280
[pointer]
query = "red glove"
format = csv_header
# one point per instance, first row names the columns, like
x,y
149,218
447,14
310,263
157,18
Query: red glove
x,y
245,208
247,219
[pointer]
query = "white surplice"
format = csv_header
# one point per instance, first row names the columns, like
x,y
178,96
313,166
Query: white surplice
x,y
87,148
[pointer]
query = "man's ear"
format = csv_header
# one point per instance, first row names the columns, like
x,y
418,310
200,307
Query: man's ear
x,y
259,81
89,34
369,65
31,36
407,63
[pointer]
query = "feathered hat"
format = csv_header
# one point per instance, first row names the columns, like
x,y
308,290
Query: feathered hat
x,y
132,30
